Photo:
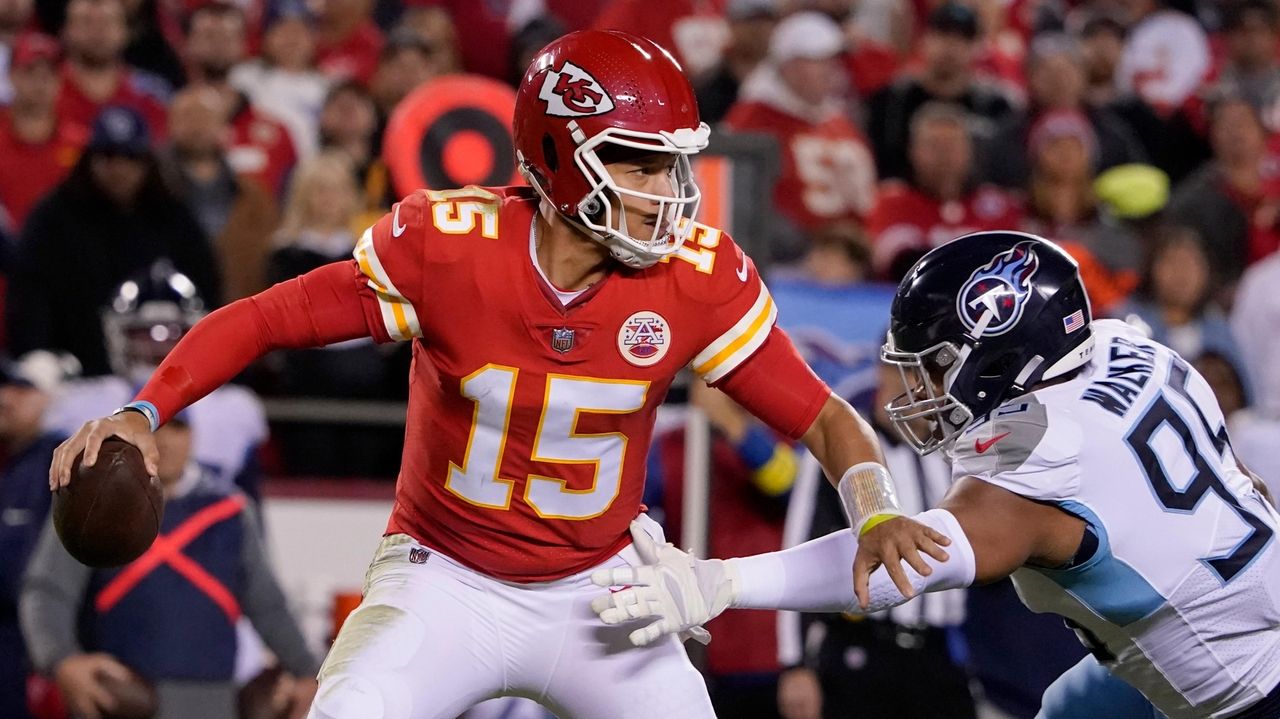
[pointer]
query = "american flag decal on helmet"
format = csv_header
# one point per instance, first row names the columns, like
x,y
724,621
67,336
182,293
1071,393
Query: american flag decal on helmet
x,y
1073,321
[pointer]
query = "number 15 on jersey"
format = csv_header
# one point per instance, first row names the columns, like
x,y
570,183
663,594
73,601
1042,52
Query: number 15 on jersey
x,y
492,388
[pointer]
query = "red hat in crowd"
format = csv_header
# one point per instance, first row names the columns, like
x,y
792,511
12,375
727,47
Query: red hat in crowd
x,y
1063,123
32,47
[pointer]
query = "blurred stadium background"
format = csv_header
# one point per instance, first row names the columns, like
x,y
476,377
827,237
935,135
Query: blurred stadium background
x,y
236,144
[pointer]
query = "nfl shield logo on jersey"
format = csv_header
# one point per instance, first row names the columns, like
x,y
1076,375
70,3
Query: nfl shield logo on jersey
x,y
644,338
562,339
418,555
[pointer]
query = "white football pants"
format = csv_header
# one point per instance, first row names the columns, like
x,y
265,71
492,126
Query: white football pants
x,y
432,639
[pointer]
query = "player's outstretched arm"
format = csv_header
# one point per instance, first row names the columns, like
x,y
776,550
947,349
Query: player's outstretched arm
x,y
674,592
992,532
321,307
846,446
777,386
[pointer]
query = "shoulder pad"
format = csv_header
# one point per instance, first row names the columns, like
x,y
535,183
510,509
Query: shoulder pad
x,y
1024,446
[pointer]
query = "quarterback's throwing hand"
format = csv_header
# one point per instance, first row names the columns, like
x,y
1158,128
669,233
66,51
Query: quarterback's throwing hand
x,y
675,590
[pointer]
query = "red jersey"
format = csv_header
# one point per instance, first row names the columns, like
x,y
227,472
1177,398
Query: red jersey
x,y
261,148
31,170
141,92
906,220
529,420
828,172
354,56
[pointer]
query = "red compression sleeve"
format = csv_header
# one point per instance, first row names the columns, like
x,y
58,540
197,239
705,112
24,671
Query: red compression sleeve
x,y
318,308
776,385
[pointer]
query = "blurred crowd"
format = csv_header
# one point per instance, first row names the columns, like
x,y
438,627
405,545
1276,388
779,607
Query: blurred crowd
x,y
181,154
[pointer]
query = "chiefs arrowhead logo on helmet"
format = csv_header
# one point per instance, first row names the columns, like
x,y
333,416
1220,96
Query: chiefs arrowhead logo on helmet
x,y
572,92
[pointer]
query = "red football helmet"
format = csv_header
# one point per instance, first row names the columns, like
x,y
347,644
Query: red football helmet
x,y
594,87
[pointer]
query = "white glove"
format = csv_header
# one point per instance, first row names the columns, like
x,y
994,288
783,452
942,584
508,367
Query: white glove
x,y
679,591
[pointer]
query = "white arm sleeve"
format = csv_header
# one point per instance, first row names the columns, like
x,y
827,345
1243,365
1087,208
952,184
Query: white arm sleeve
x,y
817,576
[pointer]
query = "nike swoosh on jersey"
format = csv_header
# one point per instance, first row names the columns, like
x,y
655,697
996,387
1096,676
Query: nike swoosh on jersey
x,y
397,229
980,447
742,271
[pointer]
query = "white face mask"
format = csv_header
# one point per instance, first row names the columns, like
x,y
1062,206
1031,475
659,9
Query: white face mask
x,y
601,213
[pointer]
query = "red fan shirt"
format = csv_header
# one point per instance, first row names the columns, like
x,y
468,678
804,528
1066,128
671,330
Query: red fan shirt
x,y
29,171
828,173
907,221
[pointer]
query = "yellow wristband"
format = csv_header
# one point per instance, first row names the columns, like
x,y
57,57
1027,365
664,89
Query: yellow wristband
x,y
875,520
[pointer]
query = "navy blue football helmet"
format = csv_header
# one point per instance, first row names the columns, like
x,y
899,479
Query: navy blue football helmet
x,y
148,314
978,321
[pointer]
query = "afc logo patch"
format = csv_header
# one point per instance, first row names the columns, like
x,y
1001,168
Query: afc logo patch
x,y
418,555
573,92
644,338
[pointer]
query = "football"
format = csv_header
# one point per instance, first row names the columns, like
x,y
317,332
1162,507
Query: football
x,y
110,513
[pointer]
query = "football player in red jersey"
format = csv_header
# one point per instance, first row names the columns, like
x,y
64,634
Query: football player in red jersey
x,y
548,322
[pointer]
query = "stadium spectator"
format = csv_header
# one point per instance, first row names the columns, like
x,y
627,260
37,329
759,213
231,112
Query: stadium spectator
x,y
691,30
877,663
947,51
318,229
1250,68
527,42
828,174
39,147
148,47
751,23
174,626
348,124
318,218
237,214
111,217
94,73
260,145
15,16
1101,45
1056,82
1166,54
1174,298
833,310
406,61
433,23
1172,143
1254,319
348,40
26,388
941,201
284,81
1233,202
1062,205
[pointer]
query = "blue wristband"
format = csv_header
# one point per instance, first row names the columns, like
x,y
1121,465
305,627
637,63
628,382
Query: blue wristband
x,y
146,409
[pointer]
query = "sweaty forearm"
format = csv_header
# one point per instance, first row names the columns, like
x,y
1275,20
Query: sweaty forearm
x,y
815,576
318,308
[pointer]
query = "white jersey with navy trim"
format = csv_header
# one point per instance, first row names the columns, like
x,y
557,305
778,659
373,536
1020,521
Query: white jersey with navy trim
x,y
227,425
1182,597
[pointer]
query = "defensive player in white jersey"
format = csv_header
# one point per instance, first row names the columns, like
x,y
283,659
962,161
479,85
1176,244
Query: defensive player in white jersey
x,y
1091,464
